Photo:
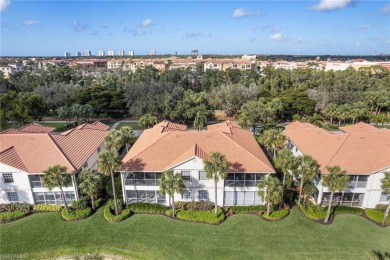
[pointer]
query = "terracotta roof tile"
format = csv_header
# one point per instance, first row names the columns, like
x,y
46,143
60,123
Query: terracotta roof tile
x,y
362,150
158,151
30,128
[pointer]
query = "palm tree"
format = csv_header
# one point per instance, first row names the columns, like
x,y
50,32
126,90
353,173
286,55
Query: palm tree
x,y
331,111
287,163
56,176
386,187
108,162
127,136
169,184
273,139
89,183
113,140
307,170
147,120
215,169
270,191
308,189
316,120
336,180
200,120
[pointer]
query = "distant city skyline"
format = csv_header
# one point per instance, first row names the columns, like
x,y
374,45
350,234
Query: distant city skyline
x,y
335,27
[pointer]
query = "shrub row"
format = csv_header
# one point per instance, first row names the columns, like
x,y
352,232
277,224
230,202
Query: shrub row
x,y
348,210
313,214
98,202
276,214
15,207
80,204
112,218
381,207
376,216
147,208
75,214
13,215
246,209
45,207
207,217
194,205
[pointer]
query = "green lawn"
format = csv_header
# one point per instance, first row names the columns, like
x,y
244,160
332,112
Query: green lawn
x,y
133,125
60,127
45,235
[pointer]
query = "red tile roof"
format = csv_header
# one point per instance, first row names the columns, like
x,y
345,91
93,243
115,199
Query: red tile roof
x,y
158,150
30,128
363,149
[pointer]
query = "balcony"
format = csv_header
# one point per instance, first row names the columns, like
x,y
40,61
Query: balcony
x,y
142,182
357,184
241,183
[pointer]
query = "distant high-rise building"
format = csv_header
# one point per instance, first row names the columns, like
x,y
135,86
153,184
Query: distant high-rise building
x,y
78,54
152,53
131,53
175,53
86,53
101,53
121,53
66,54
194,52
110,53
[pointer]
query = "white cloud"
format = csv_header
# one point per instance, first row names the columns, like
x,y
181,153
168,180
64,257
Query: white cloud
x,y
30,22
147,22
78,27
4,4
242,12
277,37
192,35
364,27
386,9
329,5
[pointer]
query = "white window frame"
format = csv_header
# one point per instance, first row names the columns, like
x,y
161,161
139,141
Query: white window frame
x,y
202,197
184,175
187,192
205,176
8,177
13,194
384,197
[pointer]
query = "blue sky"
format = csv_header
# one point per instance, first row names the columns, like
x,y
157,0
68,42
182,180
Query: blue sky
x,y
344,27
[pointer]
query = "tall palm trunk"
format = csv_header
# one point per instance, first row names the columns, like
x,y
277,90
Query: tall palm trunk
x,y
331,120
386,214
268,208
329,208
127,147
173,205
300,192
64,199
92,203
114,193
284,183
216,206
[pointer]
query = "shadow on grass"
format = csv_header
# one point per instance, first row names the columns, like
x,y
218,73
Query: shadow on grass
x,y
381,255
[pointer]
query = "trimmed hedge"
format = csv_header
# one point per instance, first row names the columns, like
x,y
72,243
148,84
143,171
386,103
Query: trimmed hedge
x,y
15,207
194,205
381,207
277,214
247,209
75,214
13,215
207,217
45,207
347,210
376,216
81,203
112,218
147,208
98,202
313,214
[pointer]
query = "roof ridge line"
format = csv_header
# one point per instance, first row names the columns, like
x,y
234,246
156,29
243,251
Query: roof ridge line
x,y
20,159
245,149
163,134
338,149
61,151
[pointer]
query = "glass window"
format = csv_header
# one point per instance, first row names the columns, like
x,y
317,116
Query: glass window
x,y
150,175
385,197
8,178
229,198
186,175
203,195
249,198
240,197
13,196
186,195
202,176
230,176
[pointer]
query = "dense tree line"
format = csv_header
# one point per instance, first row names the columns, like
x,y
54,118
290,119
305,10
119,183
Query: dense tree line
x,y
180,94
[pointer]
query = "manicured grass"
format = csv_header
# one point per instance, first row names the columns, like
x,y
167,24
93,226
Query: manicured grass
x,y
45,235
133,125
59,127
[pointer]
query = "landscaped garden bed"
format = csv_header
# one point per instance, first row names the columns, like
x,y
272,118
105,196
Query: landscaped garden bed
x,y
276,215
109,212
376,216
147,208
207,217
14,211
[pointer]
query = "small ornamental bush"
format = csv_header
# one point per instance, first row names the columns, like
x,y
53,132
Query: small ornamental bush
x,y
277,214
45,207
147,208
98,202
347,210
112,218
207,217
194,205
381,207
315,214
7,216
119,204
81,203
75,214
15,207
376,216
247,209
